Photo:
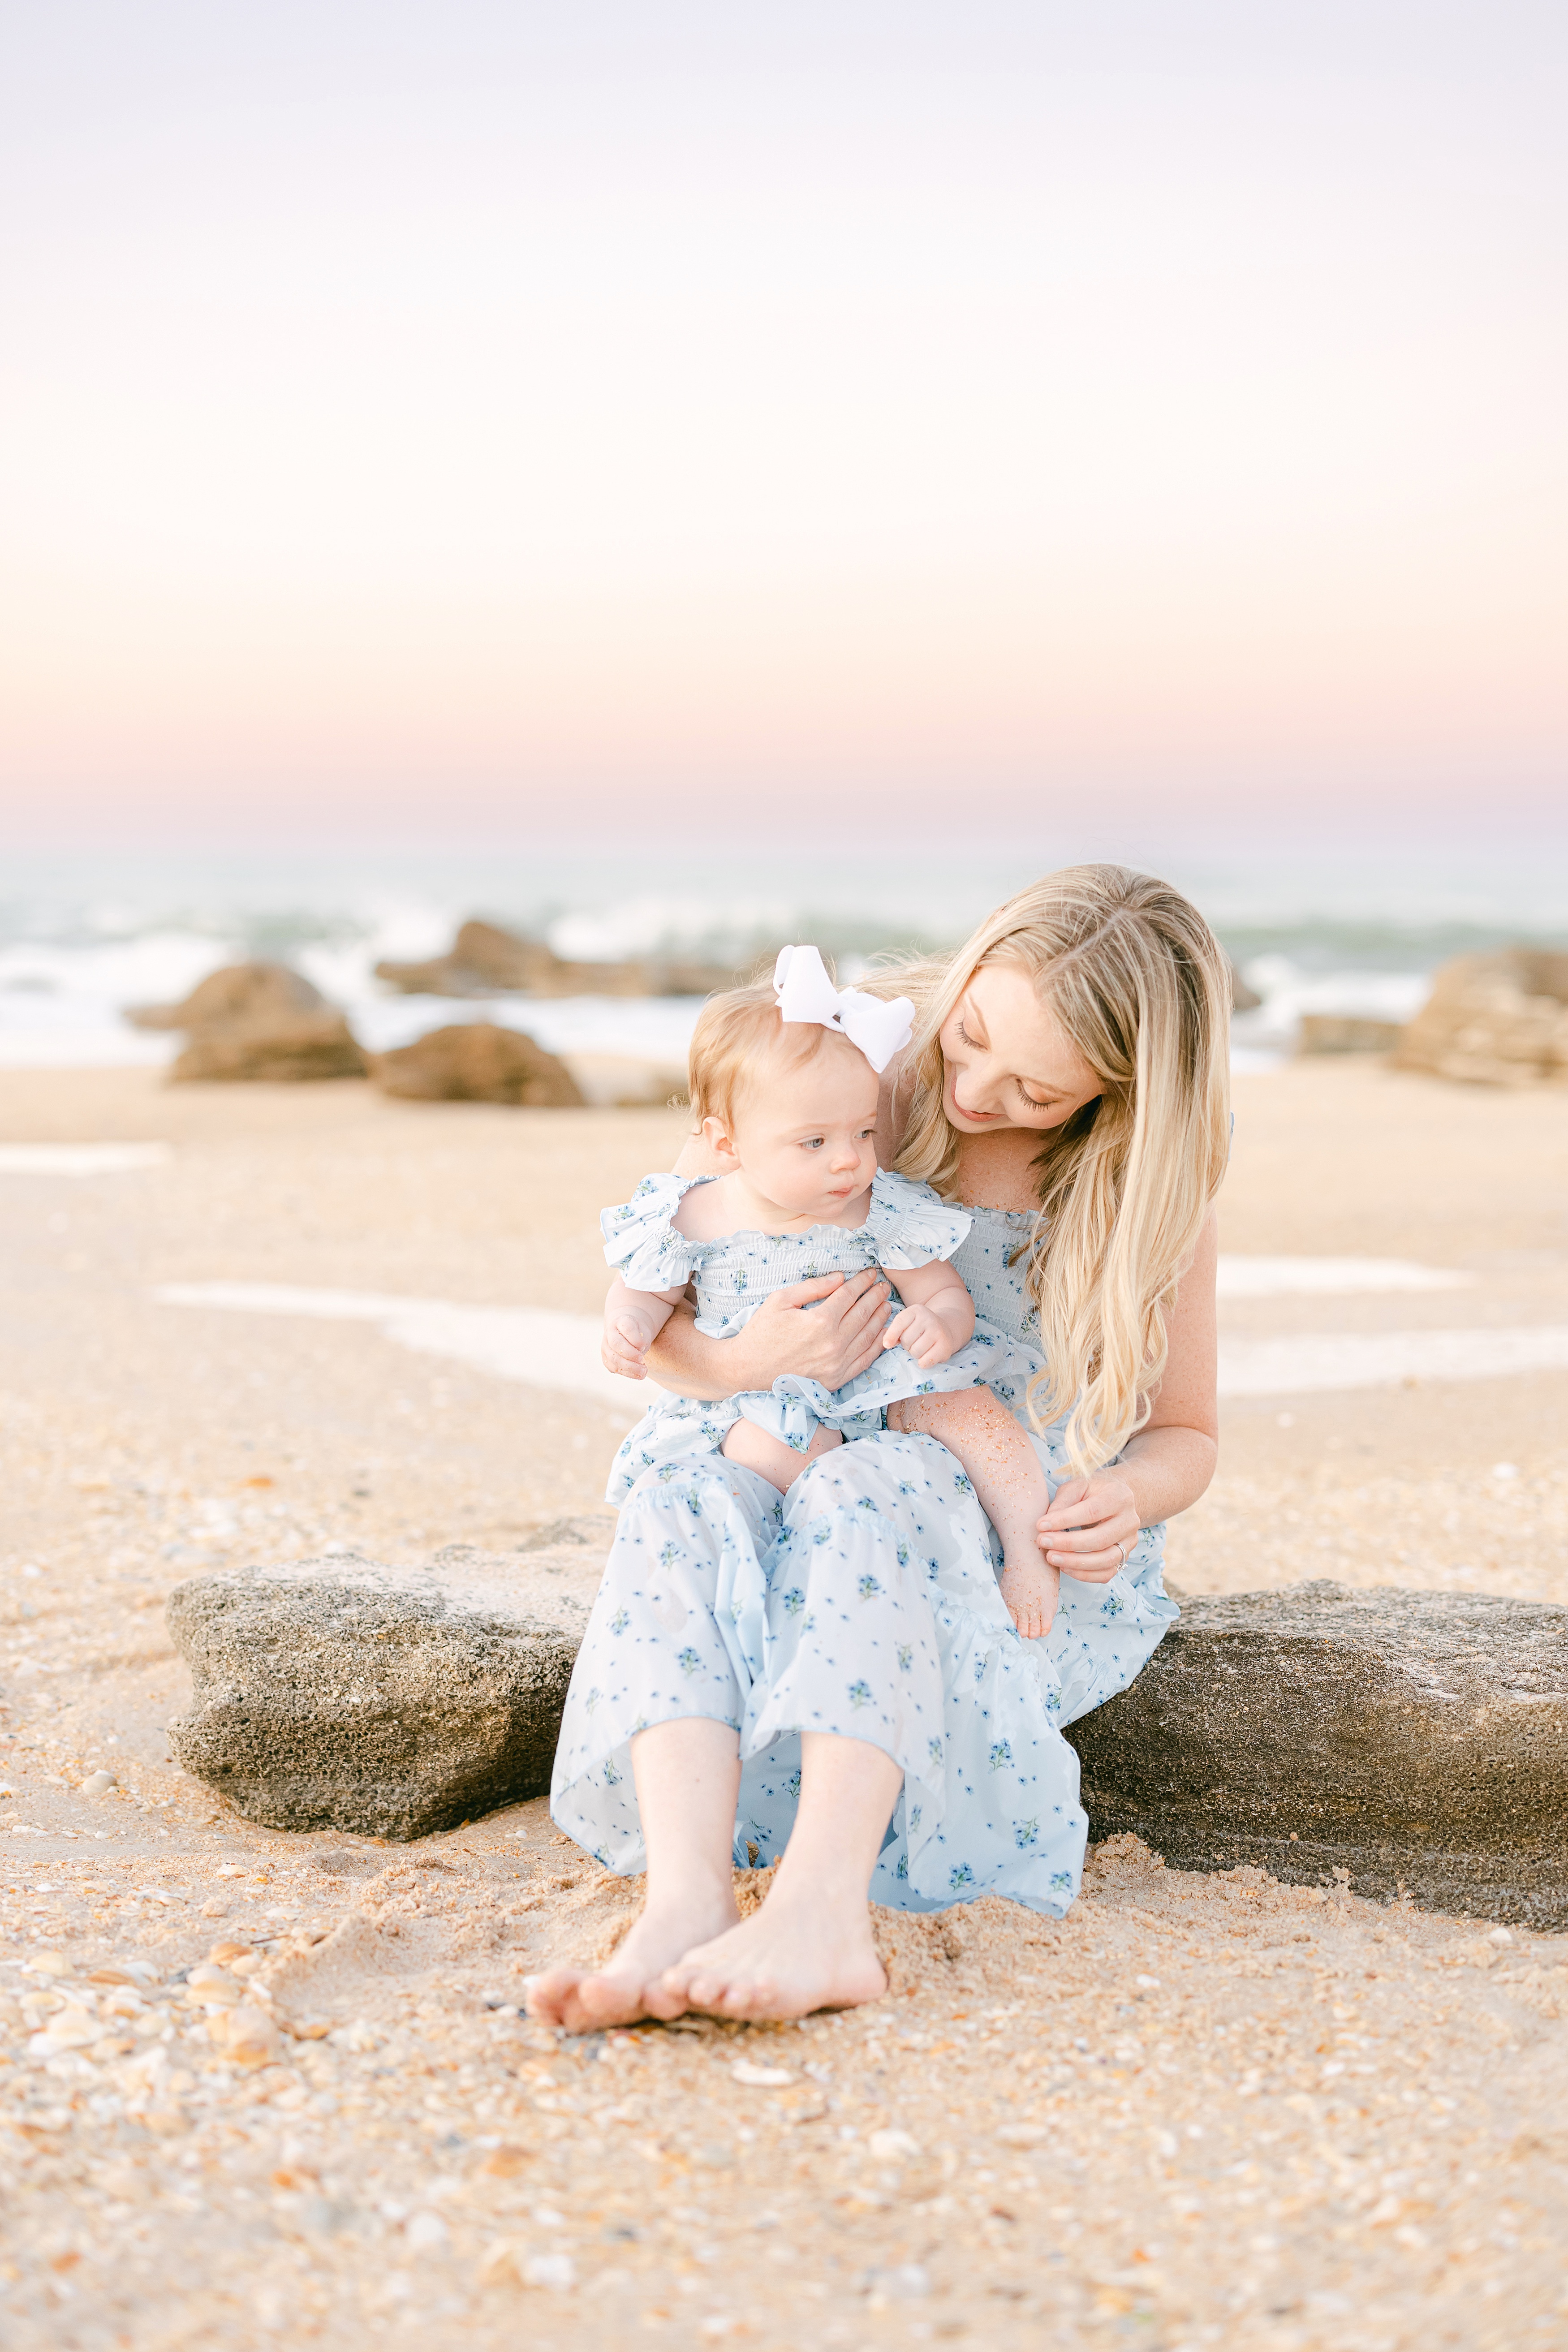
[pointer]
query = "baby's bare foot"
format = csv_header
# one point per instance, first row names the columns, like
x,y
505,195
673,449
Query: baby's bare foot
x,y
1030,1590
785,1960
630,1985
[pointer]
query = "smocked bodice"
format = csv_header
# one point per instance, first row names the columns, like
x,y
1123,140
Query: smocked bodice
x,y
997,1287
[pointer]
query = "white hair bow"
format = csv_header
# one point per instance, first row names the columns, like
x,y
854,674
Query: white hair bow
x,y
880,1026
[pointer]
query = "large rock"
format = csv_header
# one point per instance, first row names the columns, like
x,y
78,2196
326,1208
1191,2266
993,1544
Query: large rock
x,y
1345,1032
1493,1020
628,1081
318,1045
1416,1740
256,1022
1244,998
239,995
475,1061
390,1701
486,961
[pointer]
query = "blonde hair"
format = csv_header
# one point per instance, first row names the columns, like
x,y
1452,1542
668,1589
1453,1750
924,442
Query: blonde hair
x,y
1140,987
742,1037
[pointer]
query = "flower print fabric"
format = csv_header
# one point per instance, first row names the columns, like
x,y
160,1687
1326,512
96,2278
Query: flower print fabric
x,y
863,1602
905,1225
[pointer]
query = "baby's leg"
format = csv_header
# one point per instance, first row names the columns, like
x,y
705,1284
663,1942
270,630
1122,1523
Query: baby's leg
x,y
1005,1471
753,1449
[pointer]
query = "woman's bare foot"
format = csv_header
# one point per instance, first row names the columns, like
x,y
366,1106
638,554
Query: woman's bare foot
x,y
631,1985
789,1957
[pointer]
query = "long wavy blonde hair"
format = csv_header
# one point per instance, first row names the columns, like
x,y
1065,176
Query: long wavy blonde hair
x,y
1138,983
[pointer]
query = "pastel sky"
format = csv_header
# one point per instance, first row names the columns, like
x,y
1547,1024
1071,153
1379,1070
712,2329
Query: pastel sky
x,y
499,413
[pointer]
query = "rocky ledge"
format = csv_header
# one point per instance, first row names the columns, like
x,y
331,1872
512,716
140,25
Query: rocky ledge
x,y
390,1701
1417,1741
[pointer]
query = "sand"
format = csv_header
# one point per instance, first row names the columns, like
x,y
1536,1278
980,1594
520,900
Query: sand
x,y
1203,2111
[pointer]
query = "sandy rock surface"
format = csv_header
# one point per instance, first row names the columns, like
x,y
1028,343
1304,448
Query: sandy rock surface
x,y
264,2088
341,1692
1415,1743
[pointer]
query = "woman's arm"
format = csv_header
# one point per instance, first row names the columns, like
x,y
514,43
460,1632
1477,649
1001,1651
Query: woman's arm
x,y
1093,1522
838,1338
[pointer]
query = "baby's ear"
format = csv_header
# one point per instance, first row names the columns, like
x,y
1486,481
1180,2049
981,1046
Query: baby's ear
x,y
716,1135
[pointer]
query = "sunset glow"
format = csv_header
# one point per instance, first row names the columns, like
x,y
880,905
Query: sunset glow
x,y
981,405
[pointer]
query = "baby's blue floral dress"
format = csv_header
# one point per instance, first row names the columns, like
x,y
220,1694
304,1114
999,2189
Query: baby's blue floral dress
x,y
905,1225
862,1602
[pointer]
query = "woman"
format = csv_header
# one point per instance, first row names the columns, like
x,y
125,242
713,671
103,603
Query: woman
x,y
1068,1083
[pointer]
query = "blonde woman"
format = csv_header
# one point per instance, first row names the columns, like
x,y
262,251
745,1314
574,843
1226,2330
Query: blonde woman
x,y
1068,1085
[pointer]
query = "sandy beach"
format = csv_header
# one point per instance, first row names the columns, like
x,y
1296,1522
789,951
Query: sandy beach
x,y
1203,2111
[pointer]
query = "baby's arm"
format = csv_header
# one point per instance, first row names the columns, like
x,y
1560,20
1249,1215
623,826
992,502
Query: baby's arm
x,y
1005,1474
939,1313
633,1321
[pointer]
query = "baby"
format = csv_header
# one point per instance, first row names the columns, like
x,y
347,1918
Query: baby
x,y
784,1091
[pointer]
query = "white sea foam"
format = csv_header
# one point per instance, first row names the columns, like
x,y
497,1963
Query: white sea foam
x,y
82,937
547,1350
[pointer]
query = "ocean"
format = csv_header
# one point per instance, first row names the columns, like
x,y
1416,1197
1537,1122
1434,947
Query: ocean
x,y
1353,926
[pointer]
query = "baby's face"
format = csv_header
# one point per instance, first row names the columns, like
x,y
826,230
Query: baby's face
x,y
805,1139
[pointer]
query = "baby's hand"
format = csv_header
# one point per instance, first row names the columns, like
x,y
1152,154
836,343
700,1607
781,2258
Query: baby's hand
x,y
923,1333
1030,1588
628,1338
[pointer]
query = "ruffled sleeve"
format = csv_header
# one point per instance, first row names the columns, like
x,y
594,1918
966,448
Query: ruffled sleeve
x,y
910,1224
641,1241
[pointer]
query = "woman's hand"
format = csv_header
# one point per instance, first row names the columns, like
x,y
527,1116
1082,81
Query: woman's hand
x,y
1090,1528
840,1337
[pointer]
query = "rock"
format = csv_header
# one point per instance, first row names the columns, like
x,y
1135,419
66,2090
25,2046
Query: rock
x,y
255,1023
482,961
1243,998
339,1693
1416,1740
475,1061
624,1082
98,1783
555,1534
246,2037
486,961
1345,1032
241,995
1493,1020
318,1045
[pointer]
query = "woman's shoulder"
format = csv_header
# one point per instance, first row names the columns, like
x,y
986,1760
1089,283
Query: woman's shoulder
x,y
909,1224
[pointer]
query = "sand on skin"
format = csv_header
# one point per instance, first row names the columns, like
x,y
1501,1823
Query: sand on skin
x,y
1201,2111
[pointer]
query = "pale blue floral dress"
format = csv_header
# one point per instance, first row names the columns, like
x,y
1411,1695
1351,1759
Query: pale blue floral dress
x,y
863,1602
907,1225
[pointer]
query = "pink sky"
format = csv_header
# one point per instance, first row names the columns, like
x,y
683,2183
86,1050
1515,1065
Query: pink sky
x,y
508,430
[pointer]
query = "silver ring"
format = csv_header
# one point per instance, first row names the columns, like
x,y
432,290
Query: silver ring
x,y
1122,1549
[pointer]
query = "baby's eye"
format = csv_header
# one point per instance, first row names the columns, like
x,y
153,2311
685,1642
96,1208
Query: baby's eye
x,y
813,1143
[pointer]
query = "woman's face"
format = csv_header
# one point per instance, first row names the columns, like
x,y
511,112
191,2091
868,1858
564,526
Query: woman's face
x,y
1006,1063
